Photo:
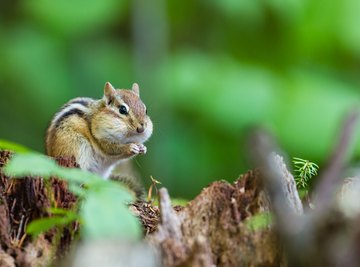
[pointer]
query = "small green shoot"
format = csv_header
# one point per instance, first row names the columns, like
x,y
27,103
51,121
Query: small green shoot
x,y
304,171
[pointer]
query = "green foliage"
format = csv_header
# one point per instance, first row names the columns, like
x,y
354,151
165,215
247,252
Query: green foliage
x,y
259,221
61,218
304,171
106,216
71,18
31,164
103,210
7,145
226,66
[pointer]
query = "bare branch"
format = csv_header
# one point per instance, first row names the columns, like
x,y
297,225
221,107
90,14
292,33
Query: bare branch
x,y
331,177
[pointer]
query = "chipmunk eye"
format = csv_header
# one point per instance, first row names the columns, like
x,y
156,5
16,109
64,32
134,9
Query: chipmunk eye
x,y
124,110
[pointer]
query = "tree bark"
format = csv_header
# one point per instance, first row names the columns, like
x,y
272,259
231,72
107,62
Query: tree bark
x,y
26,199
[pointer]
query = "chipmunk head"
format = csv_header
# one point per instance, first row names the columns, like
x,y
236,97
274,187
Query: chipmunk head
x,y
123,117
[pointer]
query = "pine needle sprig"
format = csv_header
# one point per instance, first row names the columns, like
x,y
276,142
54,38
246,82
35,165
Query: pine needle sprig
x,y
304,171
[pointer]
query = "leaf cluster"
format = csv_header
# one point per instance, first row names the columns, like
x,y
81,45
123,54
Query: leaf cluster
x,y
102,204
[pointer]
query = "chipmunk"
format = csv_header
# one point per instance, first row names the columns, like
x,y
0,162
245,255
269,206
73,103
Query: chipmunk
x,y
100,133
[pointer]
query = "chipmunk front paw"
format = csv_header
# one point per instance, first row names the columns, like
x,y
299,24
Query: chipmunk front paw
x,y
142,149
136,149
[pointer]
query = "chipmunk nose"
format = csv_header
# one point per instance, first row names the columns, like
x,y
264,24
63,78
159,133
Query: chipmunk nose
x,y
140,128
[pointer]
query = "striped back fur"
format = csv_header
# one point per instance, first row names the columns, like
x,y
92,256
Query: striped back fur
x,y
75,107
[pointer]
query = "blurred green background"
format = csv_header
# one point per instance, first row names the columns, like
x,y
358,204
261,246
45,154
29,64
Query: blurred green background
x,y
208,71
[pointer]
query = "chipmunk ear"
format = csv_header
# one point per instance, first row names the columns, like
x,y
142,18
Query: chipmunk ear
x,y
135,88
109,93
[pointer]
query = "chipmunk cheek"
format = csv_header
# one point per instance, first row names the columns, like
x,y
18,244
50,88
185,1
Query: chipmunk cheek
x,y
149,128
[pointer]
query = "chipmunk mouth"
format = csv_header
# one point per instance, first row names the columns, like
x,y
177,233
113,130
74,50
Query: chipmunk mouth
x,y
139,134
136,137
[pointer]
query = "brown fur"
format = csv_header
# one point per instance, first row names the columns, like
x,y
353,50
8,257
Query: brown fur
x,y
132,100
94,131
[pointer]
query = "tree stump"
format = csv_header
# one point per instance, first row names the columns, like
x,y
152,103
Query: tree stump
x,y
211,230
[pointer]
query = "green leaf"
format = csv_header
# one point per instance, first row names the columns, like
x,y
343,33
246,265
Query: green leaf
x,y
40,165
63,212
106,215
103,209
42,225
57,211
8,145
75,175
31,164
77,189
